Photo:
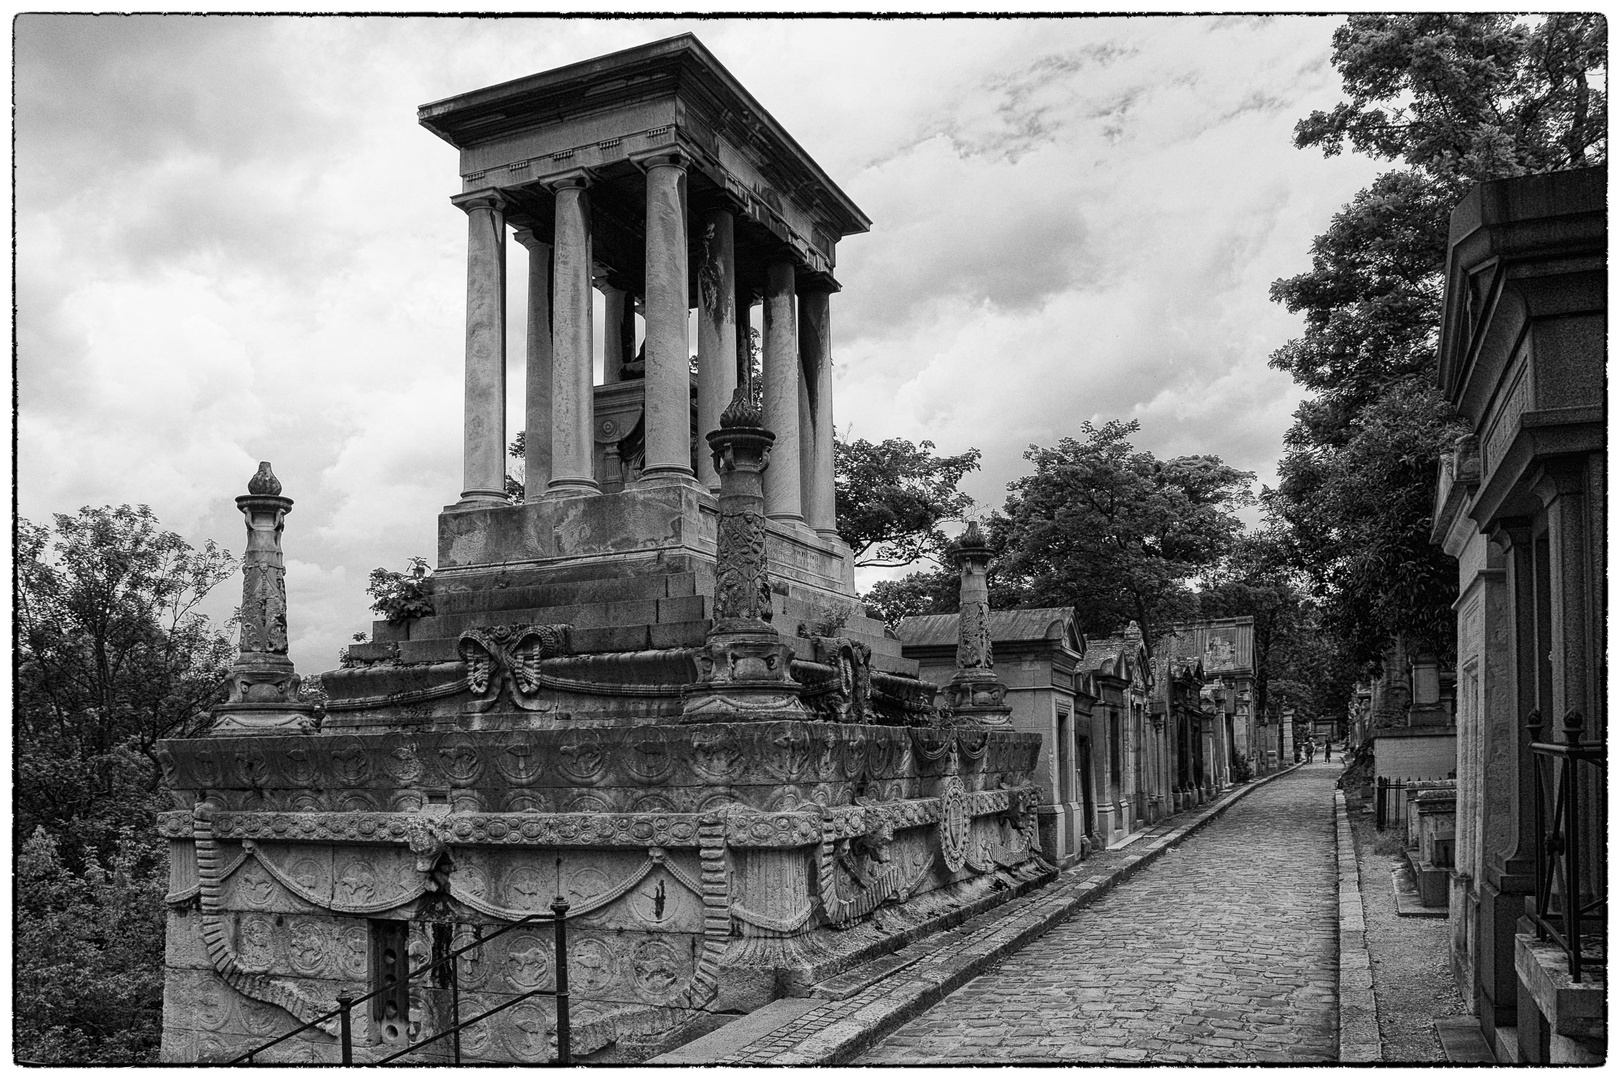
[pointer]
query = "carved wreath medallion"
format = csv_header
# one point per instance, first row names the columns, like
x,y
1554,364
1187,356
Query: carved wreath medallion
x,y
953,823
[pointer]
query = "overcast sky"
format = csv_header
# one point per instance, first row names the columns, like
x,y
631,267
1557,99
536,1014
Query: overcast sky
x,y
235,243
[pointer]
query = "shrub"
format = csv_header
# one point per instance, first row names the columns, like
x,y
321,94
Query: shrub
x,y
399,596
1242,771
88,956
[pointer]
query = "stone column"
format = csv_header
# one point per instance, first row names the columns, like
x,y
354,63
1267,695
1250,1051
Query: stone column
x,y
781,364
745,327
815,352
573,405
484,423
613,337
538,377
668,402
807,435
262,687
743,668
717,328
975,693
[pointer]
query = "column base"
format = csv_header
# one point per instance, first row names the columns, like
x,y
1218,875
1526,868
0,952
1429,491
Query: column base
x,y
788,519
663,475
478,500
572,485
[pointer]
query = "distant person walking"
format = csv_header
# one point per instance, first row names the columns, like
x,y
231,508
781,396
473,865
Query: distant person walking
x,y
1310,751
1327,750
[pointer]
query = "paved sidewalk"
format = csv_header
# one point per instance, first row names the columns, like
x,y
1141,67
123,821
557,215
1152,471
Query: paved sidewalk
x,y
1224,951
862,1005
1411,961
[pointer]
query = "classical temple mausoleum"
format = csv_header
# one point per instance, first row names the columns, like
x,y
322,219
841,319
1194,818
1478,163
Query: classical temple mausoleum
x,y
646,696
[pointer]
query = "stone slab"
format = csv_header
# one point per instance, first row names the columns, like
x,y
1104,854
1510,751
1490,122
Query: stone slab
x,y
852,982
1462,1041
1407,901
723,1042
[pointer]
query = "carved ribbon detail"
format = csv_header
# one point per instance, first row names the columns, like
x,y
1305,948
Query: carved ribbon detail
x,y
508,657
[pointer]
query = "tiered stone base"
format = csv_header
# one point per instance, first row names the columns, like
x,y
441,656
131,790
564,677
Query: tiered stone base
x,y
708,869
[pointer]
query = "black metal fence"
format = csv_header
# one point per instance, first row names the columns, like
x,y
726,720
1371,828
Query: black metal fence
x,y
1571,811
345,1004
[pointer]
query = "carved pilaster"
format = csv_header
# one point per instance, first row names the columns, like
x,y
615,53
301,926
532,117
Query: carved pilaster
x,y
975,694
743,666
263,688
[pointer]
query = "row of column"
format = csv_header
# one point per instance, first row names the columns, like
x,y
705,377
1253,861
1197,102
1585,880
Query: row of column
x,y
559,400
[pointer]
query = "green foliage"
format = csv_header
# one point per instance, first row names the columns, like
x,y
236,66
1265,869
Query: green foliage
x,y
891,497
514,479
88,952
924,592
1456,99
111,657
1114,531
1242,771
1468,96
399,596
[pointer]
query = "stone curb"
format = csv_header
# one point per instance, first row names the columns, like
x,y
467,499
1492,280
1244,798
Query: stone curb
x,y
840,1030
1358,1012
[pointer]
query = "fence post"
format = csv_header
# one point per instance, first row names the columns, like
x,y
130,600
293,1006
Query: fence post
x,y
345,1032
455,1005
559,909
1572,843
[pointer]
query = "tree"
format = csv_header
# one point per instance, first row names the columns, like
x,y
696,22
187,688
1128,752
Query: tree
x,y
891,496
112,656
1114,531
88,952
1457,99
933,592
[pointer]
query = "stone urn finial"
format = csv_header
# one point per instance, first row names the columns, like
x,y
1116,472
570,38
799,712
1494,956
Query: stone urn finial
x,y
263,697
743,667
264,481
975,693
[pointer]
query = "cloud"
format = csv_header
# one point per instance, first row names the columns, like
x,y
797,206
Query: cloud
x,y
234,243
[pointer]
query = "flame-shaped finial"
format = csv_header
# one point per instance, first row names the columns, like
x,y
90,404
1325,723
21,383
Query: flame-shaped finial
x,y
743,411
264,481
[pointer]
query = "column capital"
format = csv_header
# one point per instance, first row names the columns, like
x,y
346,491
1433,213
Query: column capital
x,y
576,179
669,157
1557,478
525,235
1505,533
483,198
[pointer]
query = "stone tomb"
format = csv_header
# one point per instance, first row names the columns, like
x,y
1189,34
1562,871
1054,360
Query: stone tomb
x,y
650,693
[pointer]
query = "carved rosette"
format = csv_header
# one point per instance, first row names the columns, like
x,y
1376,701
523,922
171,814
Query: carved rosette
x,y
262,687
743,666
508,658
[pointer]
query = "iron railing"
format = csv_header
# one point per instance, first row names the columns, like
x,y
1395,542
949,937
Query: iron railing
x,y
345,1004
1563,802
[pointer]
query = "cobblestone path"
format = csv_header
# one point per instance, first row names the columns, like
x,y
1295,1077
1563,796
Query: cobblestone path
x,y
1225,950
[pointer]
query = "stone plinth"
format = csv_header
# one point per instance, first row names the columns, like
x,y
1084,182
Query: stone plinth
x,y
706,867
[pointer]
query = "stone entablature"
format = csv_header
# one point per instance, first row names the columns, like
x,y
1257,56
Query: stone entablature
x,y
670,95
